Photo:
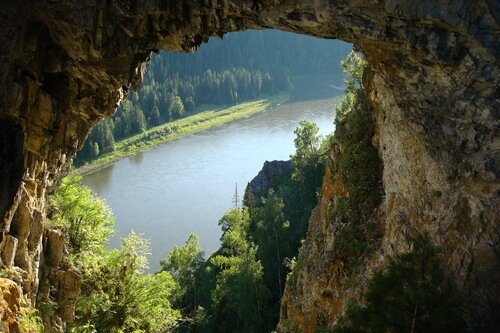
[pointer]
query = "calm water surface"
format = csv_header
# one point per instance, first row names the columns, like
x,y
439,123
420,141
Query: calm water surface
x,y
185,186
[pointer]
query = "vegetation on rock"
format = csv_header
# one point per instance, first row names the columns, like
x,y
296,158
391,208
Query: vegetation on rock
x,y
30,322
358,168
116,294
85,220
412,294
345,230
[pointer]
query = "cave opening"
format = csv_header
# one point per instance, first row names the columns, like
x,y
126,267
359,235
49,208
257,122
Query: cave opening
x,y
243,67
434,87
188,186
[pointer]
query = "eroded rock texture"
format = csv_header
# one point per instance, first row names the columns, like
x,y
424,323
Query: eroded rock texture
x,y
66,64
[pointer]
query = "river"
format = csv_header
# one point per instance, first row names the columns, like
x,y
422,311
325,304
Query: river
x,y
185,186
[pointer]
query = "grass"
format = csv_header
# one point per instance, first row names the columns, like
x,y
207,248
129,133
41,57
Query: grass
x,y
201,121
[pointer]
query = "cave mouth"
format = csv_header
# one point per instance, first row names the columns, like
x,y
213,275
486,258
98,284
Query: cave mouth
x,y
327,85
323,100
11,161
432,109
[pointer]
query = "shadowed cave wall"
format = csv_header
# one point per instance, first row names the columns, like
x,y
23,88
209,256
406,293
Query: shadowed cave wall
x,y
434,91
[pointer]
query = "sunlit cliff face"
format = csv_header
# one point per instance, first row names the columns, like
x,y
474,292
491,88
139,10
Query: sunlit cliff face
x,y
434,89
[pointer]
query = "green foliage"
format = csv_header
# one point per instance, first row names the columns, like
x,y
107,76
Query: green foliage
x,y
412,295
177,108
85,220
358,169
116,294
294,266
120,297
234,225
345,106
238,297
308,162
354,68
30,322
100,141
307,157
226,293
182,263
154,120
271,231
95,149
248,197
308,165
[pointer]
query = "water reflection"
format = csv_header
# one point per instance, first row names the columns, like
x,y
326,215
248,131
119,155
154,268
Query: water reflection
x,y
137,158
100,180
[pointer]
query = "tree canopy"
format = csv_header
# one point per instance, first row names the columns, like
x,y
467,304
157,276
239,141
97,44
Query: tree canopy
x,y
117,296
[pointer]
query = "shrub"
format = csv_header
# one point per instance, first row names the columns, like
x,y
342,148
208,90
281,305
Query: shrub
x,y
412,295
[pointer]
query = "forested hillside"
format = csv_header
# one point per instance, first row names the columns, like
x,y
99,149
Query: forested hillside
x,y
241,67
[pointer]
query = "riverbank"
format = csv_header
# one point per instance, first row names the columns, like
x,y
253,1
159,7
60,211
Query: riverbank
x,y
174,130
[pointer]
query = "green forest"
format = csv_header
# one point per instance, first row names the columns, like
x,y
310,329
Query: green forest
x,y
244,66
239,287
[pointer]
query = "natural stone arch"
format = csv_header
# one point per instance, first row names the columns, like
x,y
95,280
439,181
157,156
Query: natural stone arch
x,y
435,88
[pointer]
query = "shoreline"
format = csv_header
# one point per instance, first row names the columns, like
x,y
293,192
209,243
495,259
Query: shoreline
x,y
196,123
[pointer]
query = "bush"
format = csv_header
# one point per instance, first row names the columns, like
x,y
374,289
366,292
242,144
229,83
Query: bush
x,y
353,242
84,218
412,295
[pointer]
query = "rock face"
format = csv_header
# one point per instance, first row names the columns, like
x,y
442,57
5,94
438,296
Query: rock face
x,y
10,299
343,242
270,171
64,65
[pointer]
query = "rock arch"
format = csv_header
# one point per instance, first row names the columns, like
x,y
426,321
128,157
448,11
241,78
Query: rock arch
x,y
435,86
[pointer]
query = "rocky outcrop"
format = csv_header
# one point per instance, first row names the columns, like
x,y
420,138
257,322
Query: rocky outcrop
x,y
14,304
10,299
59,285
343,242
64,65
269,173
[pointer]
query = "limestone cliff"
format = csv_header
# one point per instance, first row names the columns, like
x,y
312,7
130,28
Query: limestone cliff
x,y
269,173
64,65
420,195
